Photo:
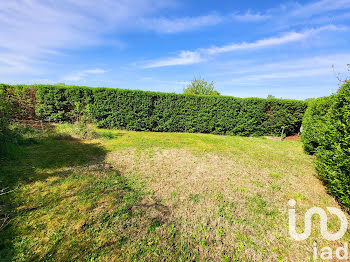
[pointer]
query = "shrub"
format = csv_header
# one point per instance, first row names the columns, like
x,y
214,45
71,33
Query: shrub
x,y
22,99
152,111
333,152
5,114
164,112
313,122
58,103
6,111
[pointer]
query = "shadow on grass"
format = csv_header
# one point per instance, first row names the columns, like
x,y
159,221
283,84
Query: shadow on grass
x,y
36,159
63,181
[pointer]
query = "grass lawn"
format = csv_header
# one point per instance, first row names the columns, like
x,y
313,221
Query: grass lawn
x,y
146,196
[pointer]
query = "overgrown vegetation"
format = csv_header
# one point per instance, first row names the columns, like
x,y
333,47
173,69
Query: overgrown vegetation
x,y
328,136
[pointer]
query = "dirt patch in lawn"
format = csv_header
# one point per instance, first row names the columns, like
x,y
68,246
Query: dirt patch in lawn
x,y
293,138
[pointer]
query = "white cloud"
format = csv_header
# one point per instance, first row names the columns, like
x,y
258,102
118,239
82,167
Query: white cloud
x,y
184,58
288,14
306,70
166,25
273,41
193,57
263,43
17,63
319,12
95,71
294,77
183,24
41,29
250,17
77,76
319,7
309,63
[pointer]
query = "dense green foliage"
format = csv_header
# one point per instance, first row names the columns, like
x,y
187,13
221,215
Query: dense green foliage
x,y
313,122
21,99
163,112
138,110
200,87
16,103
5,113
327,133
61,103
333,154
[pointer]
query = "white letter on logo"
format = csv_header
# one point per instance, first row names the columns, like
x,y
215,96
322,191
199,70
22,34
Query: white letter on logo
x,y
345,251
323,216
326,253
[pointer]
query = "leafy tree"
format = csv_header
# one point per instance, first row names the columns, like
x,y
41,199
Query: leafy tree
x,y
201,87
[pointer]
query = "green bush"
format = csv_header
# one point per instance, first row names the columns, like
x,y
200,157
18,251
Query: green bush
x,y
22,99
5,114
153,111
58,103
163,112
333,152
313,122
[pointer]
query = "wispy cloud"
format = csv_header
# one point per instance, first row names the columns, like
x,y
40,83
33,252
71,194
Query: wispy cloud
x,y
77,76
298,78
176,25
17,63
193,57
273,41
263,43
292,11
319,7
250,17
184,58
304,70
320,12
41,29
184,24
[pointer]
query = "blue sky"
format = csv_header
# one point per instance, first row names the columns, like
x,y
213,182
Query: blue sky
x,y
248,48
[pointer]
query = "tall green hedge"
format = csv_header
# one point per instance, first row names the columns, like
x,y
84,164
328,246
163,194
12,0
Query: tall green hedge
x,y
169,112
16,102
58,103
327,135
22,99
153,111
313,122
333,154
5,112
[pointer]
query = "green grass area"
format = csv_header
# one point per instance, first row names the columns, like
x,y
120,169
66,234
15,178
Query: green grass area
x,y
143,196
